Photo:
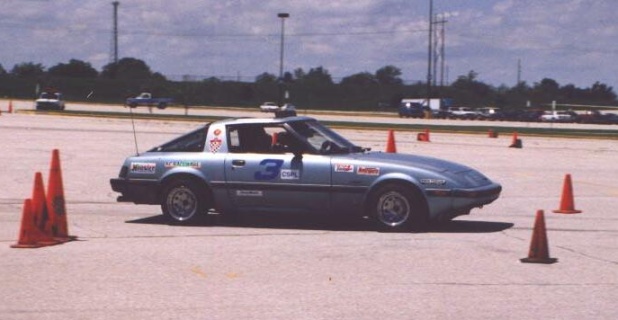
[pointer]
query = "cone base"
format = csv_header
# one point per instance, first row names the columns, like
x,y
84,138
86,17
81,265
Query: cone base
x,y
539,260
566,211
28,246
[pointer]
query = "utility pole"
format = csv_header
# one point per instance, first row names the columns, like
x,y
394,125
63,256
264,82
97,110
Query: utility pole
x,y
518,71
430,51
115,3
441,34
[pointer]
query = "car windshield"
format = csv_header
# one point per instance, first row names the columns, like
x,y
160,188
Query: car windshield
x,y
323,139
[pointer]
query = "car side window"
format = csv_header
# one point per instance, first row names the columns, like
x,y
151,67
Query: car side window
x,y
191,142
249,139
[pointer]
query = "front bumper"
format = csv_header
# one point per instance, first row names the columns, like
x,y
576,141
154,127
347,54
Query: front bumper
x,y
446,204
136,191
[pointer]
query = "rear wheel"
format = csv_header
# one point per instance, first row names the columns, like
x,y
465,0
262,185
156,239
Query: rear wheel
x,y
396,207
183,200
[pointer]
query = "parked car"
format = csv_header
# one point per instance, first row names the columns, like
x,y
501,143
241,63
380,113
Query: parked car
x,y
490,114
411,110
297,165
558,116
596,117
286,110
49,100
269,107
463,113
146,99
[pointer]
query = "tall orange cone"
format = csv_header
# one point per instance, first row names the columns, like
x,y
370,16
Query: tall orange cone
x,y
57,224
390,144
539,247
516,143
567,203
30,236
39,202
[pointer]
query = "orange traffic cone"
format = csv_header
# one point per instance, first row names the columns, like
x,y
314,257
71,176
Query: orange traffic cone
x,y
39,202
423,136
539,247
57,225
29,234
492,134
516,143
567,204
390,144
10,106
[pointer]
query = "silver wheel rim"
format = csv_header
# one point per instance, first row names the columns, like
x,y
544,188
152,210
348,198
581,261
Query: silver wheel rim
x,y
181,203
393,209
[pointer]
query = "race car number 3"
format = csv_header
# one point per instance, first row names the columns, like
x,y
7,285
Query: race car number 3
x,y
270,169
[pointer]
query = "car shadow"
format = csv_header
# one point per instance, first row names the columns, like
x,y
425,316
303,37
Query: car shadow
x,y
310,222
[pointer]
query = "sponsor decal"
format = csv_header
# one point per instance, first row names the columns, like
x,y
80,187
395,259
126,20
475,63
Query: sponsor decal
x,y
217,132
368,171
215,145
437,182
249,193
269,170
290,174
183,164
340,167
143,167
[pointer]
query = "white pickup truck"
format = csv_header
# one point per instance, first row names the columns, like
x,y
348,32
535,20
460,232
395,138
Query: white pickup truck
x,y
50,101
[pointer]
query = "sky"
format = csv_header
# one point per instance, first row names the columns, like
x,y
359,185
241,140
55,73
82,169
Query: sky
x,y
569,41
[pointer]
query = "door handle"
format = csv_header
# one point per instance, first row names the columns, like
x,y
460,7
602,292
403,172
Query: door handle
x,y
238,163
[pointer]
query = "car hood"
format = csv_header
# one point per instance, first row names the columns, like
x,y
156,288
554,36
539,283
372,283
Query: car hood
x,y
423,166
422,162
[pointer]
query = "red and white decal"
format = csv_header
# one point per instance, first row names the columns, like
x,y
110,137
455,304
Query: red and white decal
x,y
215,144
368,171
341,167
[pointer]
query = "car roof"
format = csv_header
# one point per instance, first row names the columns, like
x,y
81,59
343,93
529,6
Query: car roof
x,y
262,120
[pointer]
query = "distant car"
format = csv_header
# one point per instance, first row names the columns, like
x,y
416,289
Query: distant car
x,y
50,101
269,107
463,113
490,114
411,110
297,165
596,117
286,110
146,99
558,116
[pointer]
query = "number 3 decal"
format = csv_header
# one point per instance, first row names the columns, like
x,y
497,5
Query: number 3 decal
x,y
270,169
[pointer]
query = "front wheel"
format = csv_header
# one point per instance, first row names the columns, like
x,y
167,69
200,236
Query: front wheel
x,y
182,201
397,207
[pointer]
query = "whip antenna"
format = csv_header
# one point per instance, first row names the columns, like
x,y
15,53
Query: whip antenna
x,y
134,134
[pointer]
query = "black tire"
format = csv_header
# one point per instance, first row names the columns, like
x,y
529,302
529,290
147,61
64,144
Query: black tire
x,y
161,106
396,207
183,200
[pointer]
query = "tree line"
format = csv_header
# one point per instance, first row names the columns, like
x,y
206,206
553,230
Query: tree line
x,y
314,88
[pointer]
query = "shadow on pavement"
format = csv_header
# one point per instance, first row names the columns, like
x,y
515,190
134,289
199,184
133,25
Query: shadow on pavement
x,y
307,222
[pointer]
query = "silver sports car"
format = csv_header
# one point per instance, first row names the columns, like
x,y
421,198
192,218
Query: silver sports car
x,y
297,165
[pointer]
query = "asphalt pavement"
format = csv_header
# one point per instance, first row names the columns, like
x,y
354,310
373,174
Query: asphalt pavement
x,y
128,263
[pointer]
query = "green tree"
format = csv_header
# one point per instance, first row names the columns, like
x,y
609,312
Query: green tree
x,y
127,69
28,69
389,75
266,78
359,79
73,69
2,70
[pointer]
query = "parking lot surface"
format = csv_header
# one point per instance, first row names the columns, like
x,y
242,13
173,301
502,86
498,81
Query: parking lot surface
x,y
129,263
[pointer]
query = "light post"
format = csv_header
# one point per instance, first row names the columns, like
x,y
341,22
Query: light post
x,y
282,16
